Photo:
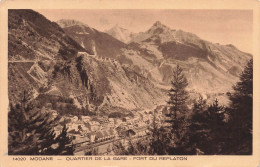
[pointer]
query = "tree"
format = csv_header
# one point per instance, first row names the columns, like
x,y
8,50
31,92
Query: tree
x,y
31,131
159,138
119,149
207,128
178,106
215,127
195,135
241,114
65,146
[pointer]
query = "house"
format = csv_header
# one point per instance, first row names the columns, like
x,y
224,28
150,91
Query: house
x,y
105,126
128,119
111,125
75,118
80,140
111,119
82,53
91,136
78,125
69,126
85,118
84,128
136,118
62,119
141,130
75,127
103,120
93,125
130,126
99,136
117,122
104,135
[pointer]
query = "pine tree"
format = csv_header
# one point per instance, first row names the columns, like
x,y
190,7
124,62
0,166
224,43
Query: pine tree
x,y
158,140
207,128
30,131
119,149
178,106
215,127
65,146
195,135
241,114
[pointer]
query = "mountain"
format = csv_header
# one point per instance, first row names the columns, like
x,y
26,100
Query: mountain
x,y
45,60
120,33
102,73
94,41
34,41
210,68
32,36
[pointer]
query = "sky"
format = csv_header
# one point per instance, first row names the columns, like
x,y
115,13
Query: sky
x,y
218,26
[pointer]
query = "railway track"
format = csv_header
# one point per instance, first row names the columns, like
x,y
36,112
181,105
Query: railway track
x,y
94,145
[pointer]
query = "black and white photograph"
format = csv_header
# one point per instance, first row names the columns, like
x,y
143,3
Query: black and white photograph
x,y
132,82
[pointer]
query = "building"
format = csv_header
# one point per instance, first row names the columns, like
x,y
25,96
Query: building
x,y
104,135
74,119
85,118
93,125
91,136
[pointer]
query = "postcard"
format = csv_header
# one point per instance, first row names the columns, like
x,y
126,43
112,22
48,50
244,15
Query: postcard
x,y
130,83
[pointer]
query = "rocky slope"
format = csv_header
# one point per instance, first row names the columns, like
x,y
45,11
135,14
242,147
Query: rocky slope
x,y
34,45
32,36
51,63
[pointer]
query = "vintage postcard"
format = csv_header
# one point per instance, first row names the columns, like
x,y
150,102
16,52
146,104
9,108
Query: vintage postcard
x,y
130,83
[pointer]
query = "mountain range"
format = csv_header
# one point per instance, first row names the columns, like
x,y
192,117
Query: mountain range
x,y
114,70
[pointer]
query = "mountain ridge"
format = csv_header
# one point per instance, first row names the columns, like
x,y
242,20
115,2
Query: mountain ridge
x,y
102,73
155,52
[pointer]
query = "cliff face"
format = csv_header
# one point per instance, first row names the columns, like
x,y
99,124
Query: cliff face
x,y
117,85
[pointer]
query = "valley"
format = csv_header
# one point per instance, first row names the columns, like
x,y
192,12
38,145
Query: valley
x,y
108,86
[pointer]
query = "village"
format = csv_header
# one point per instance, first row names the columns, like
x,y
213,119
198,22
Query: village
x,y
90,130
